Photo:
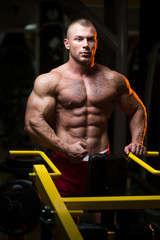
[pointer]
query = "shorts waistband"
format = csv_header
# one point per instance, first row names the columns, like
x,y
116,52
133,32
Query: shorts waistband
x,y
86,158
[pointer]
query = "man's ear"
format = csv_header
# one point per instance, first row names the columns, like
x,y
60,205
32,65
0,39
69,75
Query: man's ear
x,y
66,43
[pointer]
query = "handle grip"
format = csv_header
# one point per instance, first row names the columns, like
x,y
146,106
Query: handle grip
x,y
56,172
144,164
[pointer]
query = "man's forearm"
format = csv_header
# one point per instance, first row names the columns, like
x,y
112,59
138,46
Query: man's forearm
x,y
138,125
44,135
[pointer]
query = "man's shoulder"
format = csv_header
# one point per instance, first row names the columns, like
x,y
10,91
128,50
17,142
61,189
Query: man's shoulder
x,y
47,83
52,77
109,73
114,78
58,70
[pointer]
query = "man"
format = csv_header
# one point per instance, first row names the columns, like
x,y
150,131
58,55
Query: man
x,y
69,108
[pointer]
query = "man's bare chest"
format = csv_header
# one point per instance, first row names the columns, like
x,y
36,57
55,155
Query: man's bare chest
x,y
79,92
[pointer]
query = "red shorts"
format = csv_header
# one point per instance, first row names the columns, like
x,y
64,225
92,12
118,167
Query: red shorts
x,y
73,181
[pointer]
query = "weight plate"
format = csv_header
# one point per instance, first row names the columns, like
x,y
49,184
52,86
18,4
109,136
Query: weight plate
x,y
20,207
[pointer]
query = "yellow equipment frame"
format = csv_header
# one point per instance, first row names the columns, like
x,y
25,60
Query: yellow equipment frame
x,y
65,208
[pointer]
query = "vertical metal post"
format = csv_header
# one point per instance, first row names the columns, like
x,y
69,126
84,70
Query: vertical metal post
x,y
120,119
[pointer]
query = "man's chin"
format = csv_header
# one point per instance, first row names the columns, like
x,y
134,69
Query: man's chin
x,y
85,60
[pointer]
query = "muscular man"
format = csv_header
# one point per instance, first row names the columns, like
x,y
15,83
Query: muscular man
x,y
69,108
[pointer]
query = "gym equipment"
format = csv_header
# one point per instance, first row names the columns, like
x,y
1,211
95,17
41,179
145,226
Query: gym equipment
x,y
63,208
20,207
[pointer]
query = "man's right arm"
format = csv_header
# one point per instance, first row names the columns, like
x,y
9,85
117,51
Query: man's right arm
x,y
39,112
40,108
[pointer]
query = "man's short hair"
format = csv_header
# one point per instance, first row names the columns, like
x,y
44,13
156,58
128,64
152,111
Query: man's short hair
x,y
83,22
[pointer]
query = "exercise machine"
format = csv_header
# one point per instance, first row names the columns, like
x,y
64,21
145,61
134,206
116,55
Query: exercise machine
x,y
23,202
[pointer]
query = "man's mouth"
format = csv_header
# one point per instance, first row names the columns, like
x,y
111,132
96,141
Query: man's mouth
x,y
85,53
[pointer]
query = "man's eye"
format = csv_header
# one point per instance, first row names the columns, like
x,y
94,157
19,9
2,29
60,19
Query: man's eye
x,y
91,40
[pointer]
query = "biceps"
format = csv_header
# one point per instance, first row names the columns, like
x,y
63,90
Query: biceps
x,y
130,103
40,108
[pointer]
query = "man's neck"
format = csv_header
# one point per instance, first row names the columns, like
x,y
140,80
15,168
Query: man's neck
x,y
79,68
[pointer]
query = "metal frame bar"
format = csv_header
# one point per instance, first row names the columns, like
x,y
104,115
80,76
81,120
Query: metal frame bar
x,y
120,118
145,165
64,222
111,203
56,172
61,206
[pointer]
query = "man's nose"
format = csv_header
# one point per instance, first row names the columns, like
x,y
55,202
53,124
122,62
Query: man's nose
x,y
85,43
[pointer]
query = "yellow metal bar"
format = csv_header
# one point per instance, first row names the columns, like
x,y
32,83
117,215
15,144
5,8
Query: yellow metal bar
x,y
62,206
76,213
108,203
56,172
143,164
50,195
152,154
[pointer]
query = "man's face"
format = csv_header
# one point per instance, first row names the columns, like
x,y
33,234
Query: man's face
x,y
82,43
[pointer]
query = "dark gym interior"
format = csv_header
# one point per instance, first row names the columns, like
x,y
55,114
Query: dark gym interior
x,y
31,43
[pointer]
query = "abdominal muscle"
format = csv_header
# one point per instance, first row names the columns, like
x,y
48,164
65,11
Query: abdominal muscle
x,y
92,130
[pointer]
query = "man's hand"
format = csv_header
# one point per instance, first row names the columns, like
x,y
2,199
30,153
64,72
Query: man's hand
x,y
135,148
77,151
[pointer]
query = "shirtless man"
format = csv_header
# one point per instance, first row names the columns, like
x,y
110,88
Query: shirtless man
x,y
69,108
